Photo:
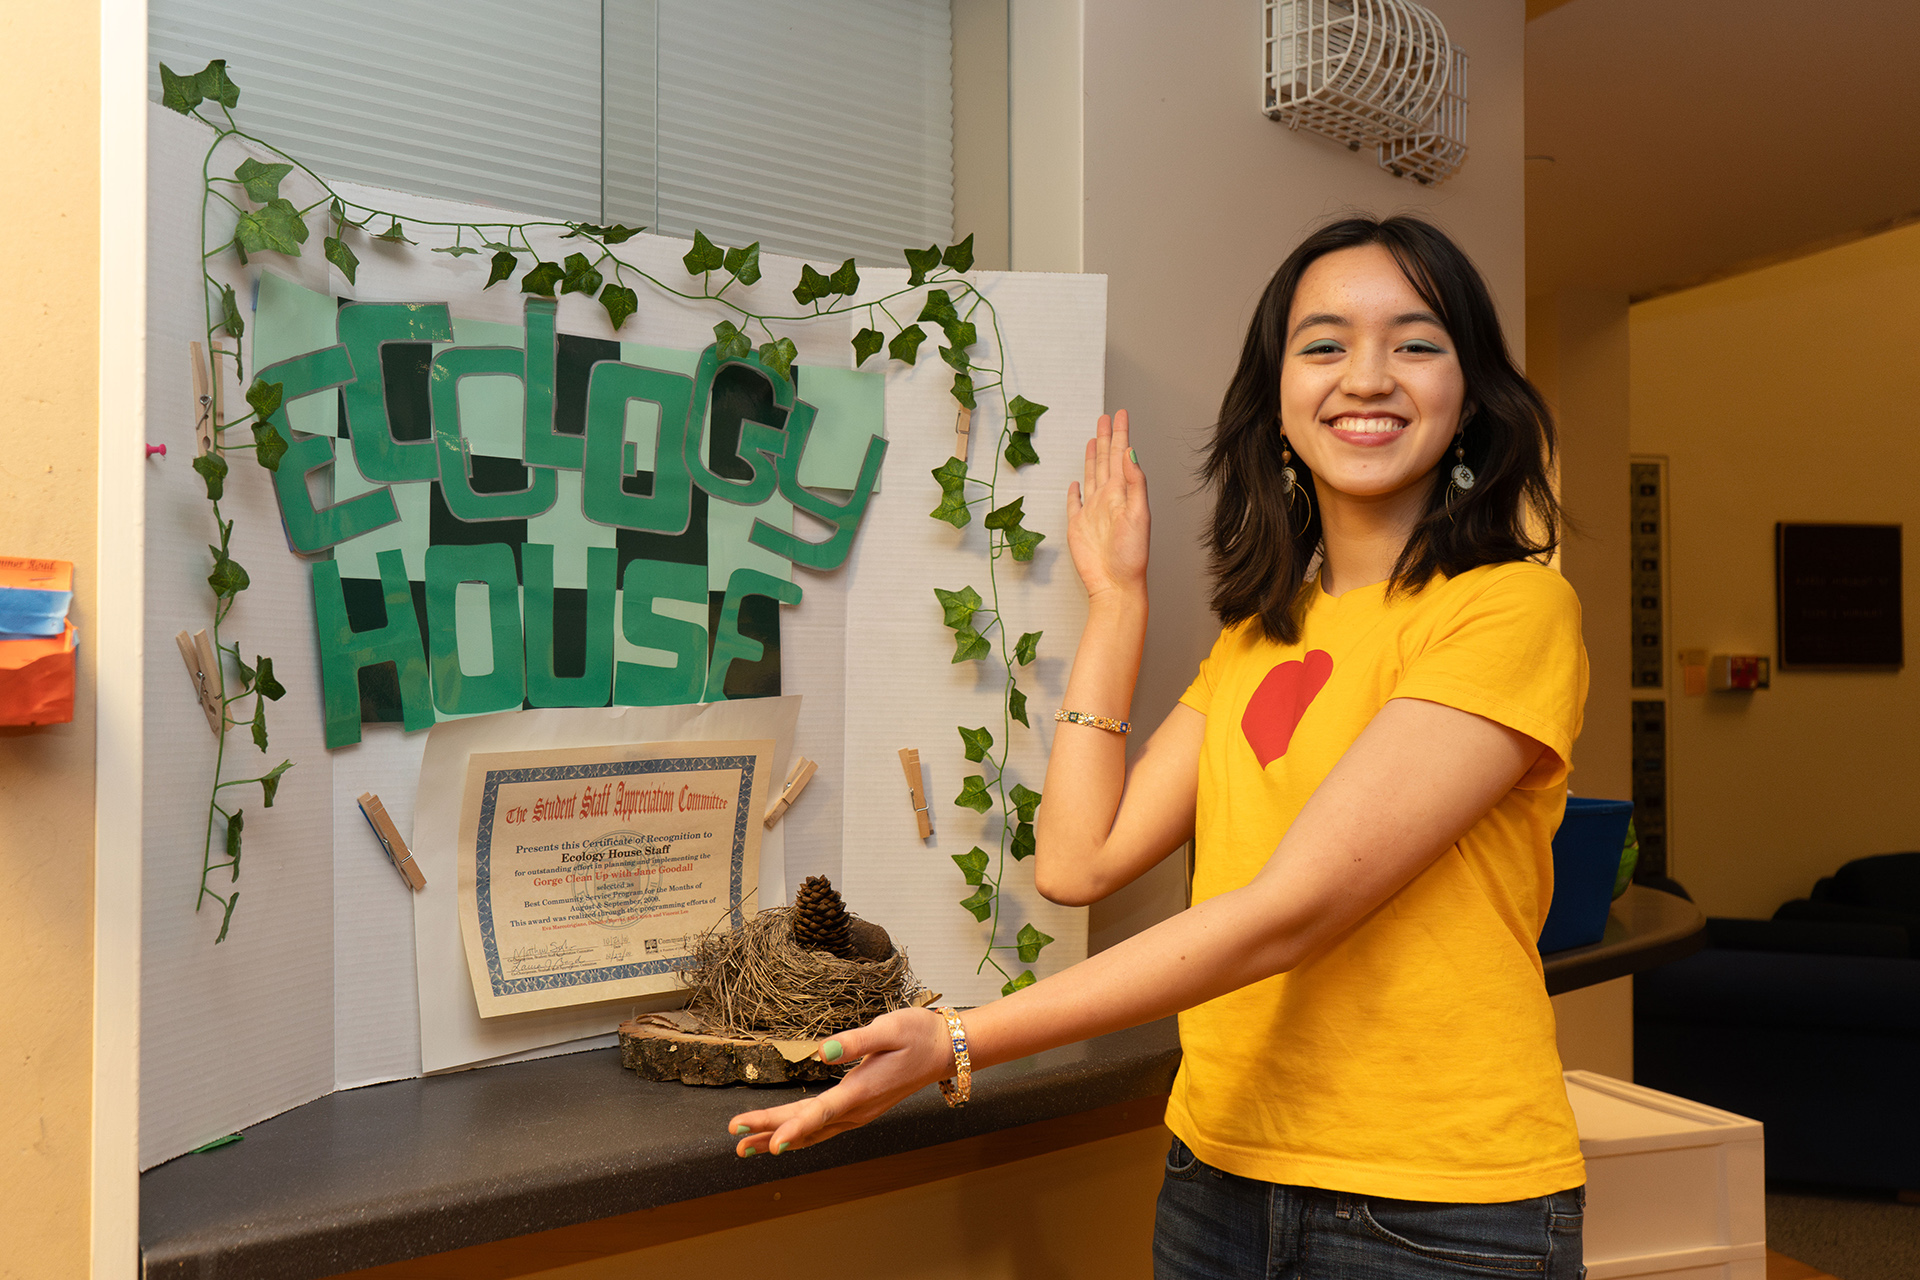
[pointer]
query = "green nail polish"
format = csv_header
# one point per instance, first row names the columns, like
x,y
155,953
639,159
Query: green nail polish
x,y
832,1051
1134,457
782,1147
741,1130
751,1151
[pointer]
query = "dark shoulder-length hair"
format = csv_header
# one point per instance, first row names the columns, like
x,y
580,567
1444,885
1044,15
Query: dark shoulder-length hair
x,y
1262,546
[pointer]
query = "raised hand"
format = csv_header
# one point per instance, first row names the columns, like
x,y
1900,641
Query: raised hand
x,y
899,1054
1107,513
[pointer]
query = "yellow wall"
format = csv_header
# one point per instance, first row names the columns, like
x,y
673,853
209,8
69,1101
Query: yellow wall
x,y
48,221
1783,395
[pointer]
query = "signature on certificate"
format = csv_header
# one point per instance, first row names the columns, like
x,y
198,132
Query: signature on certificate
x,y
545,957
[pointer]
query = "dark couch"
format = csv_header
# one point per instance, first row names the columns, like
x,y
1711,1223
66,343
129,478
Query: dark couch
x,y
1808,1022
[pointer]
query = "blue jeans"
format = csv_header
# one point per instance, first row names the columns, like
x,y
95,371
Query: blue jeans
x,y
1214,1225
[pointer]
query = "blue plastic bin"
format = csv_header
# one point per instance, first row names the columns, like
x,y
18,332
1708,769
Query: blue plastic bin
x,y
1586,859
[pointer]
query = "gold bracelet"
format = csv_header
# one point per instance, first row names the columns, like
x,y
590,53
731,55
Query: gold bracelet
x,y
957,1090
1098,722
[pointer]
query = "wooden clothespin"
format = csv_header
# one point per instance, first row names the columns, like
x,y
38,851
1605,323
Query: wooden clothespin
x,y
797,779
389,836
917,789
961,426
203,403
203,668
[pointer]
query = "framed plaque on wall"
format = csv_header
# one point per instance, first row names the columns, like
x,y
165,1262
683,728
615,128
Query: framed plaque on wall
x,y
1837,595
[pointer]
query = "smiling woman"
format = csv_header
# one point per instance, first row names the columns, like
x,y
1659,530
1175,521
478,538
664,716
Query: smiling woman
x,y
1371,764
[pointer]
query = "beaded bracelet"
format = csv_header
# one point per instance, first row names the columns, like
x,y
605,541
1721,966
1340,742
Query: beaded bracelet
x,y
1098,722
959,1089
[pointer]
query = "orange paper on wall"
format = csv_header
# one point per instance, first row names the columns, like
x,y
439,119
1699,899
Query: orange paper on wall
x,y
36,679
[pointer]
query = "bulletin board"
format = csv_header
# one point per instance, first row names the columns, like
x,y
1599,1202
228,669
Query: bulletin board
x,y
317,985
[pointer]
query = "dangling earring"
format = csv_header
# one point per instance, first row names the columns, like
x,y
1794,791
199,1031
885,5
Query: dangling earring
x,y
1462,478
1291,487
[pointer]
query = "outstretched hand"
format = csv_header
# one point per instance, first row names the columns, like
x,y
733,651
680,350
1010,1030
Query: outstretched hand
x,y
1107,513
899,1054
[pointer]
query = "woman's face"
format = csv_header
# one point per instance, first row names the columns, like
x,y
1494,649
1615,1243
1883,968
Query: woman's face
x,y
1370,387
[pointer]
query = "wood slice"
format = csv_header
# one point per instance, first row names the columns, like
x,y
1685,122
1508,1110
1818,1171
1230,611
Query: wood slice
x,y
657,1052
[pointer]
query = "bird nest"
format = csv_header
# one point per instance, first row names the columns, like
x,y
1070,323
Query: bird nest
x,y
757,980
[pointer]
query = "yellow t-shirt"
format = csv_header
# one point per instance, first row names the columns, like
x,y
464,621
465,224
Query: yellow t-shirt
x,y
1414,1058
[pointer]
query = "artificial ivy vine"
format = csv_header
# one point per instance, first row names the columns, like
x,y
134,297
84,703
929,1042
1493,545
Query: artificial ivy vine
x,y
268,222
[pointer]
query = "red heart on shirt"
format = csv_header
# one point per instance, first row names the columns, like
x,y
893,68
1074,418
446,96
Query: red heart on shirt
x,y
1283,697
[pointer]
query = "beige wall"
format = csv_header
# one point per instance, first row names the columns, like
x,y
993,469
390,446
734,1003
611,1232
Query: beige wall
x,y
49,170
1782,395
1193,197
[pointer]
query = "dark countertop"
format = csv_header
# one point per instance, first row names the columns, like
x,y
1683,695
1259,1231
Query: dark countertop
x,y
1645,929
414,1167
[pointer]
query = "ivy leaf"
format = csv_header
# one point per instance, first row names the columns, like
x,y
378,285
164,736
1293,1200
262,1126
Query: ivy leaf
x,y
952,475
867,343
977,742
1025,413
960,256
906,343
228,577
845,280
729,343
939,309
919,263
226,919
260,723
275,227
504,264
961,333
1023,847
973,794
743,264
246,672
779,357
1030,941
264,397
1020,449
542,278
1017,703
234,826
615,234
263,680
980,902
705,256
213,469
1028,647
812,287
1022,979
335,251
962,385
620,303
959,606
394,234
500,248
969,646
456,249
177,92
216,86
581,276
1007,517
269,445
230,312
958,359
270,782
1024,543
1025,799
972,864
262,181
953,509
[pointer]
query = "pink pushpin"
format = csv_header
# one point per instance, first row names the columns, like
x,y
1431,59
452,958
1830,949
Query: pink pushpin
x,y
156,448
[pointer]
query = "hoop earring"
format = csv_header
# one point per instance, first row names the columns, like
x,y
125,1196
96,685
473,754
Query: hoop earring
x,y
1461,479
1291,487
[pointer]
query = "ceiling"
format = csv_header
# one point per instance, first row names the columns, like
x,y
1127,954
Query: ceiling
x,y
1672,141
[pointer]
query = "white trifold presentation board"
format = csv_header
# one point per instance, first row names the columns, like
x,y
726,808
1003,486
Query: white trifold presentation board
x,y
315,987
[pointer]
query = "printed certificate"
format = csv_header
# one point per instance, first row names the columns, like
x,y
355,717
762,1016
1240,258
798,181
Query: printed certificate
x,y
587,873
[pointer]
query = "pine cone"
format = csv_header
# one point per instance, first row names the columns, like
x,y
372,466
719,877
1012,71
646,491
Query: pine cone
x,y
820,918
